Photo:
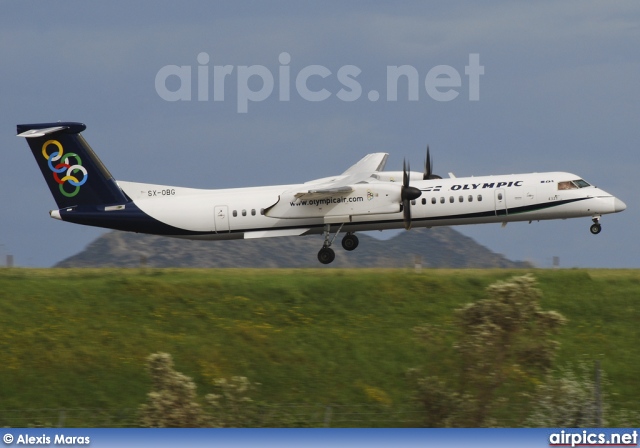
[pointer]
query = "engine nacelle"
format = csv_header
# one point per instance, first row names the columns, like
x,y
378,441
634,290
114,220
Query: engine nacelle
x,y
365,199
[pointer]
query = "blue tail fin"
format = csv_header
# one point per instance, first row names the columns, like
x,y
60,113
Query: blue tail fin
x,y
73,172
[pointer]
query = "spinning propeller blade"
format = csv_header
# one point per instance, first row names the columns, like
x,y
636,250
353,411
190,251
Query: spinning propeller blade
x,y
408,194
428,168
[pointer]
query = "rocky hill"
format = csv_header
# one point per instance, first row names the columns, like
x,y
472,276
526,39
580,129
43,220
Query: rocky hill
x,y
437,247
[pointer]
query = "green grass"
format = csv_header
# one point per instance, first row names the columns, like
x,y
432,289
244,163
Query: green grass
x,y
78,338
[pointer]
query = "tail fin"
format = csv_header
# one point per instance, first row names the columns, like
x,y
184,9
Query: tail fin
x,y
73,172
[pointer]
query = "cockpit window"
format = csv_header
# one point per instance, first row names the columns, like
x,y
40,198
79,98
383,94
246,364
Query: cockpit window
x,y
573,184
581,183
566,185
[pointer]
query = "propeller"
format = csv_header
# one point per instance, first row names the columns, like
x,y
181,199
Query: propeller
x,y
428,168
407,194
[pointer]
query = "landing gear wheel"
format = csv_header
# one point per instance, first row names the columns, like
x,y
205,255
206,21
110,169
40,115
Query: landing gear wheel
x,y
595,228
350,241
326,255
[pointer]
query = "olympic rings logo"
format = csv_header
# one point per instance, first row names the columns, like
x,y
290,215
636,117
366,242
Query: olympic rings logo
x,y
72,171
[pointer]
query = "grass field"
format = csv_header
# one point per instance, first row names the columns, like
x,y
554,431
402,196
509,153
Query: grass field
x,y
323,340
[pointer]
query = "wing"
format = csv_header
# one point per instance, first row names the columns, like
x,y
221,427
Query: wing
x,y
369,164
358,173
357,191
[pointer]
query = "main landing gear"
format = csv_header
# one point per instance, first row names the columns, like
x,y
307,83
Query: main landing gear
x,y
326,254
350,242
595,227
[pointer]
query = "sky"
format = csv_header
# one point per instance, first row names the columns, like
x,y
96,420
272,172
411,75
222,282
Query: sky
x,y
307,95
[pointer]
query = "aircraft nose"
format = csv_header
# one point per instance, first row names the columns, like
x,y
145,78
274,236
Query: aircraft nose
x,y
618,205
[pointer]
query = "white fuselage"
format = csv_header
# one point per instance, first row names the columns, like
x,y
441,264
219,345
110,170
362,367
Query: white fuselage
x,y
263,211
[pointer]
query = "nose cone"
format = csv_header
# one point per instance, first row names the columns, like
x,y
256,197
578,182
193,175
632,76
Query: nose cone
x,y
618,205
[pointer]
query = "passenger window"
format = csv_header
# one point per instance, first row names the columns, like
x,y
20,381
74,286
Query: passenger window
x,y
262,211
424,201
235,213
461,199
500,196
451,199
244,213
413,202
470,198
479,198
433,200
442,200
253,212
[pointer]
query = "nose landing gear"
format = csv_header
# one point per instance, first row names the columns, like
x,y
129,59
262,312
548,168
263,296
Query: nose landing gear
x,y
595,227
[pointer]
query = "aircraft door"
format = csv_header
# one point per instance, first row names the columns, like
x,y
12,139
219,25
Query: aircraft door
x,y
501,202
221,218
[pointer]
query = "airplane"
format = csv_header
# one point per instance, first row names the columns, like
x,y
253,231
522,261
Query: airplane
x,y
362,198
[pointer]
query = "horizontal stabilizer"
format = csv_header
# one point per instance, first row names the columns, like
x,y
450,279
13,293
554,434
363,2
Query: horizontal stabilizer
x,y
42,129
41,132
